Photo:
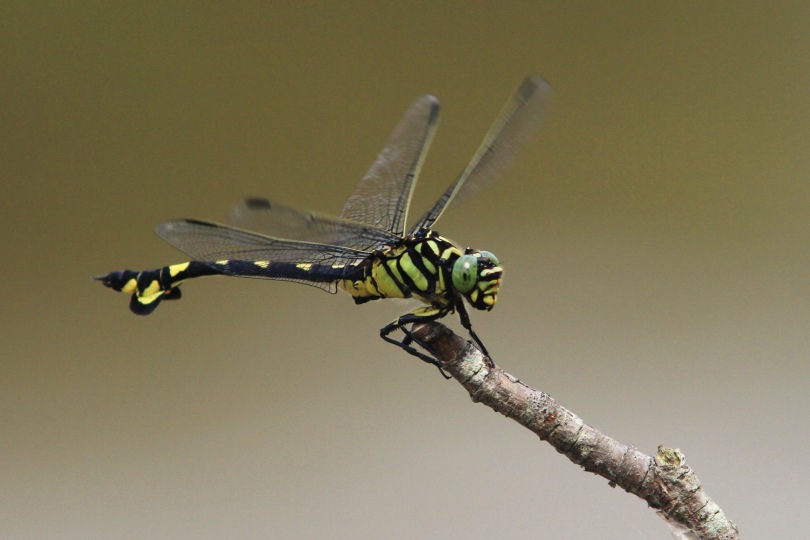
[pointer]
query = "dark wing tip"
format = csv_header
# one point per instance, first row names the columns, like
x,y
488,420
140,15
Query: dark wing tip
x,y
435,106
166,229
192,222
533,84
257,203
431,101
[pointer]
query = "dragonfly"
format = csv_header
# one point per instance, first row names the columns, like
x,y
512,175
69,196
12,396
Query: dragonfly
x,y
366,250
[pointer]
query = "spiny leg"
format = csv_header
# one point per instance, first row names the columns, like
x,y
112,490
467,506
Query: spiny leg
x,y
465,322
420,315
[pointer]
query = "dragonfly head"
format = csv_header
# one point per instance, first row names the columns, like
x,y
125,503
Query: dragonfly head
x,y
478,275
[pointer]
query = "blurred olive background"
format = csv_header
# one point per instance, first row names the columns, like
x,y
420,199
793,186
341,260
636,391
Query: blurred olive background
x,y
654,238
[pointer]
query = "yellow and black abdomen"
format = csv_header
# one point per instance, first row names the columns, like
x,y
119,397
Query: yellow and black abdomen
x,y
149,287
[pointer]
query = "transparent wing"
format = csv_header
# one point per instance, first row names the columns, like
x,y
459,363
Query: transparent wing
x,y
512,129
278,220
382,196
213,244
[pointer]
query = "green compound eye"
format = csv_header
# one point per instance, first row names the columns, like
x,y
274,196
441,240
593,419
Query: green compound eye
x,y
465,273
490,256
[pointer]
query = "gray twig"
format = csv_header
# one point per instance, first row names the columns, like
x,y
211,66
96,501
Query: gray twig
x,y
665,481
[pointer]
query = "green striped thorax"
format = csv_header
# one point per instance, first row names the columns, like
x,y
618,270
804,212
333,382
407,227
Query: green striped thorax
x,y
477,275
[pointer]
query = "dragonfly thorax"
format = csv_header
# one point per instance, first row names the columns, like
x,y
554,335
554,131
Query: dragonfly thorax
x,y
430,268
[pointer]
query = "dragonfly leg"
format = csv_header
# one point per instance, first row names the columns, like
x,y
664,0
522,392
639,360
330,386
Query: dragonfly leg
x,y
420,315
465,322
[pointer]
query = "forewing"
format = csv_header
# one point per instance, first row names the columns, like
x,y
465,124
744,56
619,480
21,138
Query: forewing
x,y
281,221
211,242
513,128
382,196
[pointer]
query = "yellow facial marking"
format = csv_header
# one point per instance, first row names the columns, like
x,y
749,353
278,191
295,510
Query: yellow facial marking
x,y
130,286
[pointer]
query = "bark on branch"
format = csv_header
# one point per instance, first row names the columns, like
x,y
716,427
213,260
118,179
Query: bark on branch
x,y
665,481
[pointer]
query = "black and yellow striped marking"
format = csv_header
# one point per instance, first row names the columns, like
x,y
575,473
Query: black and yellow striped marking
x,y
417,267
149,287
367,250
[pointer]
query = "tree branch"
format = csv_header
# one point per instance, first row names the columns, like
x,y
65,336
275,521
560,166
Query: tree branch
x,y
665,482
